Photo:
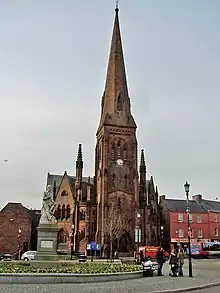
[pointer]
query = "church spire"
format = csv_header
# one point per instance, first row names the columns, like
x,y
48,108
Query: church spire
x,y
115,102
142,163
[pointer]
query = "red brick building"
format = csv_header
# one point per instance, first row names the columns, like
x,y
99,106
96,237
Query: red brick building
x,y
18,228
213,209
83,204
204,221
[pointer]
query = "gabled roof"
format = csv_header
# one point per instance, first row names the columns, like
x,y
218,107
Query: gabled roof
x,y
179,205
211,205
54,178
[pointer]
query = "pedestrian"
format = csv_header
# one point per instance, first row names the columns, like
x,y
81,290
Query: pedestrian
x,y
160,261
180,257
173,262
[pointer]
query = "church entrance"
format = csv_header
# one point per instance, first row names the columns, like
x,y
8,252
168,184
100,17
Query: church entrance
x,y
124,244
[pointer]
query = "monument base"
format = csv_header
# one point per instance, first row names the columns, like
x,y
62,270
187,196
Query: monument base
x,y
47,242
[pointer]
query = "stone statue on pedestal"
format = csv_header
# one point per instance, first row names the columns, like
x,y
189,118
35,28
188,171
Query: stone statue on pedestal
x,y
47,229
48,207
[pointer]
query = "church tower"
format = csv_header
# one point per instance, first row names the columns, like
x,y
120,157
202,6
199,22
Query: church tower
x,y
116,171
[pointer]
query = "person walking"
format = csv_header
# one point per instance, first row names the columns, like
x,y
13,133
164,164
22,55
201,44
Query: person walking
x,y
160,261
173,262
180,257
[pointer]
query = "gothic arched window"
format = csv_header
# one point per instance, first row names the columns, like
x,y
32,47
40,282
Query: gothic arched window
x,y
68,212
119,103
58,212
119,149
125,153
62,236
126,181
113,152
64,193
63,213
113,180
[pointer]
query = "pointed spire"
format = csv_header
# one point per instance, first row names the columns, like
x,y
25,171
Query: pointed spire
x,y
115,101
79,160
142,163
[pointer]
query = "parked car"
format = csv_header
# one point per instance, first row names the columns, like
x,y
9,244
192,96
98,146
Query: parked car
x,y
28,255
6,257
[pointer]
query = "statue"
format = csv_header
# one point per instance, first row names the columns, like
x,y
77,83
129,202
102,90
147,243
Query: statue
x,y
48,207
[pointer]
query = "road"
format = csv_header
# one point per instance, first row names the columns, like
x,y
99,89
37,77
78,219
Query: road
x,y
213,290
204,272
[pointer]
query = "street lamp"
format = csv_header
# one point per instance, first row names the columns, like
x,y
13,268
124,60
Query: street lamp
x,y
161,236
138,230
186,187
72,235
19,242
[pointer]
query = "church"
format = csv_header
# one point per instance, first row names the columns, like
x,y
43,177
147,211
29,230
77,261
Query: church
x,y
119,199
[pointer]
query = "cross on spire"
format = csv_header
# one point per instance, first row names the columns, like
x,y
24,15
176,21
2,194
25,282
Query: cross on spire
x,y
116,6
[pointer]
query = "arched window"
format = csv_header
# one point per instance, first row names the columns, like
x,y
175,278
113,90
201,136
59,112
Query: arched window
x,y
62,236
120,103
113,151
125,153
119,149
58,212
126,181
82,215
119,203
68,212
113,180
63,213
64,193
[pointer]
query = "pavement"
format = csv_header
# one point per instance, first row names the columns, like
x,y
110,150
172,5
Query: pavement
x,y
204,272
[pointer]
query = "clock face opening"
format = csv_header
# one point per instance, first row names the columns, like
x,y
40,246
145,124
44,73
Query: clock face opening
x,y
119,162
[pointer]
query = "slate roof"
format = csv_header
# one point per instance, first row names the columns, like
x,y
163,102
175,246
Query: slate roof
x,y
211,205
180,205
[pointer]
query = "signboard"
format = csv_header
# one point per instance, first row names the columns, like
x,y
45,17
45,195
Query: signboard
x,y
93,246
137,235
46,244
179,240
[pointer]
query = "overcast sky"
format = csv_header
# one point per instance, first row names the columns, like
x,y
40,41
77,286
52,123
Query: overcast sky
x,y
53,58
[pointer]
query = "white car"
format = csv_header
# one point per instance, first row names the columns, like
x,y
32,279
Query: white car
x,y
28,255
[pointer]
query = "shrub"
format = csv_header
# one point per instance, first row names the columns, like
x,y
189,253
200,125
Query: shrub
x,y
84,268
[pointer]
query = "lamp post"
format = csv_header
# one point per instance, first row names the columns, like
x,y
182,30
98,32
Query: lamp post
x,y
186,187
138,236
72,235
19,243
161,236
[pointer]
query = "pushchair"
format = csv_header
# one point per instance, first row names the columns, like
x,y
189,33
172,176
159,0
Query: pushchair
x,y
174,270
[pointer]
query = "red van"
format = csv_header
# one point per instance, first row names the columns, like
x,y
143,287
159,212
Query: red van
x,y
149,251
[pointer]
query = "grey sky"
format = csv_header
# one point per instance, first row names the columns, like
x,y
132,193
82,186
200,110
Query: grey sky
x,y
53,58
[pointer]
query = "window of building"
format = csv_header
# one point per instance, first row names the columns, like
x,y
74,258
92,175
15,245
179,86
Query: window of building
x,y
58,212
192,233
190,218
216,231
199,218
215,217
64,193
180,217
63,213
68,212
82,215
199,233
181,233
62,236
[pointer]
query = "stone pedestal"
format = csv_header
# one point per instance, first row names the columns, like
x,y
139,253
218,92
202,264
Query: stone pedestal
x,y
47,242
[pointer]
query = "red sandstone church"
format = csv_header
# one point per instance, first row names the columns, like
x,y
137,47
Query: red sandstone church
x,y
86,207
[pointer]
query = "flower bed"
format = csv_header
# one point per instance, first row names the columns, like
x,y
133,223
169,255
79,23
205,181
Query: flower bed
x,y
84,268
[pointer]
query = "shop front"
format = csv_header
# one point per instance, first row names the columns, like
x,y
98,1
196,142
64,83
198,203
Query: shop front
x,y
183,242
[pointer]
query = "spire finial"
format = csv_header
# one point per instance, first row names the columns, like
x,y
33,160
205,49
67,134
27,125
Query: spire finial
x,y
116,6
